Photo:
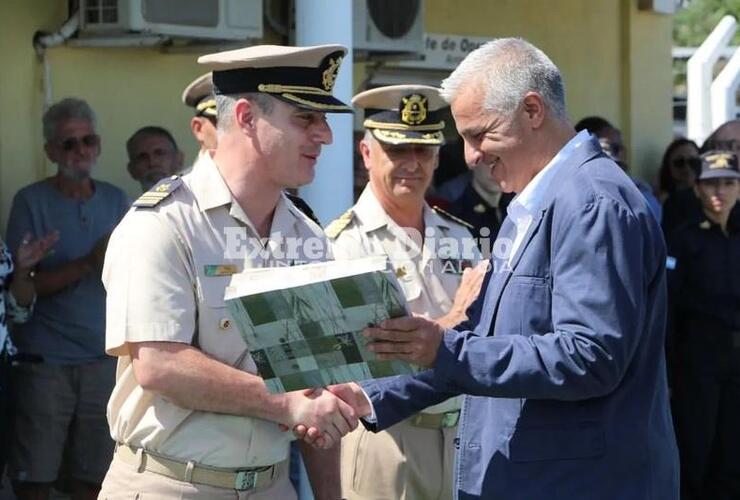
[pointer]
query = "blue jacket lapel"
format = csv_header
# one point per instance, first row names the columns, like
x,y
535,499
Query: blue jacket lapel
x,y
502,268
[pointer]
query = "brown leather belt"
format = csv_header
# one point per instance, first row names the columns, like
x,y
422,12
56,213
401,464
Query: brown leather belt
x,y
191,472
436,420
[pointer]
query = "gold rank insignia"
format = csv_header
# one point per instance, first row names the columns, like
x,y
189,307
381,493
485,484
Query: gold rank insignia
x,y
329,75
448,215
158,192
705,225
480,208
401,272
335,228
413,109
719,160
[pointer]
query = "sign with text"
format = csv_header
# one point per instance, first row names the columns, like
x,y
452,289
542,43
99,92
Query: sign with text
x,y
443,51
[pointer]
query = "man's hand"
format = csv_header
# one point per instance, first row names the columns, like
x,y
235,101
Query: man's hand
x,y
321,412
31,251
412,339
351,394
467,292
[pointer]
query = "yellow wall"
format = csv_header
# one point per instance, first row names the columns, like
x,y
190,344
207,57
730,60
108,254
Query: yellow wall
x,y
128,88
615,61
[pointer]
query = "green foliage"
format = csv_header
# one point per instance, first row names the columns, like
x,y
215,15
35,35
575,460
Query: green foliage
x,y
696,20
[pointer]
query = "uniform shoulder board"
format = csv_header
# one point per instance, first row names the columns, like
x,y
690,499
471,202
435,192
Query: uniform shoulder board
x,y
448,215
334,229
159,192
301,205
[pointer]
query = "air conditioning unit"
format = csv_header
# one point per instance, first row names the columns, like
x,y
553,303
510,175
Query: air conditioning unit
x,y
207,19
388,26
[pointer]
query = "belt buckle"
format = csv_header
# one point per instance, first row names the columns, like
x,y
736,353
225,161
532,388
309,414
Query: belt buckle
x,y
450,419
245,480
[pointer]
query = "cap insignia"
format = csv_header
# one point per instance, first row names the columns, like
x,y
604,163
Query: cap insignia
x,y
719,160
413,109
329,76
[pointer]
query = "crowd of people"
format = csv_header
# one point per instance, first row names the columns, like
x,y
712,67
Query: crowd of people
x,y
121,368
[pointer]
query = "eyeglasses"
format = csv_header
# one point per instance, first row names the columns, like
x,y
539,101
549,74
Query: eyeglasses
x,y
72,143
692,163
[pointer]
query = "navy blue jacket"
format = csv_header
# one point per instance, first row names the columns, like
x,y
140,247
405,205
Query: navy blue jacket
x,y
562,362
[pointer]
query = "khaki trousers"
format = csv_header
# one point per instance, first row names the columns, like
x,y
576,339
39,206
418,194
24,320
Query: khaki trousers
x,y
403,462
123,481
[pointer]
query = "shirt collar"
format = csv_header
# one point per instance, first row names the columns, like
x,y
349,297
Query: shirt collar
x,y
373,216
210,191
208,187
528,201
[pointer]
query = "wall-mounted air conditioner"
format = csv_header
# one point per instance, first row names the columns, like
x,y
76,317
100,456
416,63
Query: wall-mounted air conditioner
x,y
388,26
208,19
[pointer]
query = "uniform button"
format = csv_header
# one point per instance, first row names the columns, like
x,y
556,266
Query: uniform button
x,y
224,323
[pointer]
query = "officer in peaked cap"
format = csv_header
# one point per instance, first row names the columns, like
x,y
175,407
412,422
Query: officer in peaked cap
x,y
704,333
199,96
412,459
189,412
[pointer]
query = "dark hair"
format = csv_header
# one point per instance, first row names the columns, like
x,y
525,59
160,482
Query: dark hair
x,y
147,131
666,183
593,124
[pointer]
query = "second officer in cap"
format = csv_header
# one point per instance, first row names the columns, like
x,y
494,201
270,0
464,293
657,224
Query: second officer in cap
x,y
190,415
704,333
429,251
199,96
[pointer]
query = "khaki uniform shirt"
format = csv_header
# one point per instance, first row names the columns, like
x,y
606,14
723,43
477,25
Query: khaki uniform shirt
x,y
163,284
429,275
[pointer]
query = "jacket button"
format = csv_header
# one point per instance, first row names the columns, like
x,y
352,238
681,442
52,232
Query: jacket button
x,y
457,443
224,323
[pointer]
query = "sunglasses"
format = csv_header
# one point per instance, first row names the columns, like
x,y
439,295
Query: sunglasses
x,y
88,141
692,163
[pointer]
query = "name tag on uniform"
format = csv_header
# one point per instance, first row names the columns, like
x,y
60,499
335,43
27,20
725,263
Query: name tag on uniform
x,y
220,269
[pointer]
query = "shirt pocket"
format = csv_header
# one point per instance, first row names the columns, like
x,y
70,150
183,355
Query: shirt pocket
x,y
408,277
217,333
534,304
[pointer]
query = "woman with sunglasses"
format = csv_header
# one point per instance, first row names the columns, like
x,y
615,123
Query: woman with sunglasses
x,y
679,167
704,333
17,295
678,172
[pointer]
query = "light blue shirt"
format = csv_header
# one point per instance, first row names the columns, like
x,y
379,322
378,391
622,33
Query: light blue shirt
x,y
67,327
528,202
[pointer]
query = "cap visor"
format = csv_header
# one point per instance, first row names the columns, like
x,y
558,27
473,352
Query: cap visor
x,y
397,137
314,102
719,173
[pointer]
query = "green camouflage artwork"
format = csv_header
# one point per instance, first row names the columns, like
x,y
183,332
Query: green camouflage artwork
x,y
311,335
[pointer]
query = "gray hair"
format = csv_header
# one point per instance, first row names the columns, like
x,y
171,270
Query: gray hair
x,y
70,108
508,68
225,107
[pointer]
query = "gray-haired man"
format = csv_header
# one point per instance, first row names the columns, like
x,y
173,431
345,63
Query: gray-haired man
x,y
62,368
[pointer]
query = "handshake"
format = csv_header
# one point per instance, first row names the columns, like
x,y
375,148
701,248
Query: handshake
x,y
322,416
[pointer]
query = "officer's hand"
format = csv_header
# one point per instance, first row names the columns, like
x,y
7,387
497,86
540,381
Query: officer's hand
x,y
351,394
326,417
412,339
467,292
